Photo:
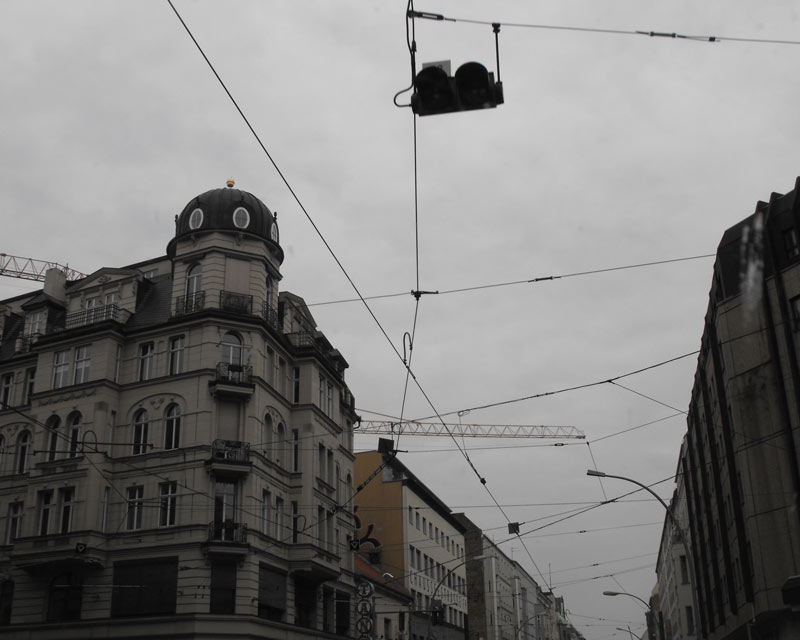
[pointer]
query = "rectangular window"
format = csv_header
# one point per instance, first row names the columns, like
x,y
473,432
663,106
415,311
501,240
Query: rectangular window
x,y
145,587
266,506
790,243
282,378
83,361
135,506
321,392
176,355
410,516
37,323
416,520
146,358
279,518
329,403
66,500
5,390
27,389
104,514
295,450
45,507
223,588
14,521
60,369
296,386
271,593
270,367
689,621
118,363
168,492
295,522
412,558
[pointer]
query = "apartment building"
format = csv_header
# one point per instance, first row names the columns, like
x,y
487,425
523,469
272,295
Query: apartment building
x,y
175,443
415,537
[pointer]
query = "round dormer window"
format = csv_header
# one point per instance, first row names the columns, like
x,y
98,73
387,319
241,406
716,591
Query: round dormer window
x,y
196,219
273,232
241,218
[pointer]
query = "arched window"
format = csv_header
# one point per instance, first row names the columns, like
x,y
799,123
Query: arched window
x,y
280,442
74,433
52,424
194,280
140,423
337,479
2,453
231,349
266,438
23,449
270,291
172,427
348,489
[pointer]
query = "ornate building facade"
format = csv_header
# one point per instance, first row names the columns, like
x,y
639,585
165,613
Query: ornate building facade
x,y
175,446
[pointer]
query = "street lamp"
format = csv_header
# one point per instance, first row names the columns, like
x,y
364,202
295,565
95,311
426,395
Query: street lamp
x,y
439,584
625,593
684,537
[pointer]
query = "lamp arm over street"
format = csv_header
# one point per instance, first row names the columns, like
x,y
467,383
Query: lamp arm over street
x,y
684,538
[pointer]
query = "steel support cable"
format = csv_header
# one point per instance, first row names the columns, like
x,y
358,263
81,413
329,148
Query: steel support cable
x,y
516,282
621,32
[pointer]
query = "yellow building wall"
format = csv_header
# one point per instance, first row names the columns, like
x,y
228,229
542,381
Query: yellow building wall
x,y
381,504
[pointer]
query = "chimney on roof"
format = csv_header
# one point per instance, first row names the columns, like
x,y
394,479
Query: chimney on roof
x,y
54,282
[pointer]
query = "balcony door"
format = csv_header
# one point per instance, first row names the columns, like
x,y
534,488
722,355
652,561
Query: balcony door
x,y
225,510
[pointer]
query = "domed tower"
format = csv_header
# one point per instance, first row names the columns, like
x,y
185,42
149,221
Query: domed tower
x,y
226,254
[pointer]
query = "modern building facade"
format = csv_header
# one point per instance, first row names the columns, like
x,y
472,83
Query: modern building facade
x,y
415,537
740,464
175,442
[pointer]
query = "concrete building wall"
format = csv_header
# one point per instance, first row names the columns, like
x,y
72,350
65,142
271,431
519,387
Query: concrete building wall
x,y
741,458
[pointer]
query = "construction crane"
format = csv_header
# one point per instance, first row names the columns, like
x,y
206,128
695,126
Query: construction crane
x,y
415,428
30,269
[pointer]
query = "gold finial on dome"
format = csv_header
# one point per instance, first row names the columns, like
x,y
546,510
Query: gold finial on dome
x,y
230,183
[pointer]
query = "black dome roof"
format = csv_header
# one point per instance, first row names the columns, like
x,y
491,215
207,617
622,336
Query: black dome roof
x,y
216,213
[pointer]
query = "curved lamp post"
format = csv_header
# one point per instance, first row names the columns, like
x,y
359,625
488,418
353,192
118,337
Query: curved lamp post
x,y
439,584
684,537
625,593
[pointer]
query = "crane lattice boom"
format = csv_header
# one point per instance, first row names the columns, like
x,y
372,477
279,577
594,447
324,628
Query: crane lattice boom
x,y
415,428
30,269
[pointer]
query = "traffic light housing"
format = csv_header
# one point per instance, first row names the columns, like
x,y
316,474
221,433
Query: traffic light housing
x,y
472,87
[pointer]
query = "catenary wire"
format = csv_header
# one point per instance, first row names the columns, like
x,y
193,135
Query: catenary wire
x,y
518,282
622,32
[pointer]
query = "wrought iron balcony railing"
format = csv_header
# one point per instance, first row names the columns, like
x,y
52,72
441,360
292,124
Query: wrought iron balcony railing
x,y
92,316
270,314
227,531
230,450
236,302
190,303
235,373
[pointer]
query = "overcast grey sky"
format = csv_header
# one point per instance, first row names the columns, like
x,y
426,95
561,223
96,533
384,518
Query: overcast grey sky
x,y
610,150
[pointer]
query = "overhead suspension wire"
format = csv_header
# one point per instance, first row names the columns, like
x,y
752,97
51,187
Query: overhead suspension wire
x,y
618,32
517,282
567,389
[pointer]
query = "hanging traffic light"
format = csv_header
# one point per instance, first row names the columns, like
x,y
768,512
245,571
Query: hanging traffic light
x,y
472,87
